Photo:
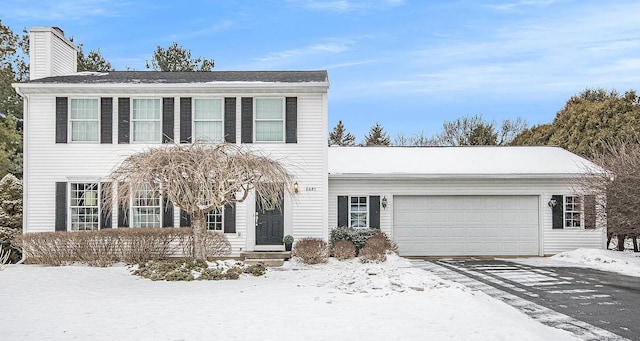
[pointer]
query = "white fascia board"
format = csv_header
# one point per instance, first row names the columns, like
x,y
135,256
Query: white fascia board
x,y
452,176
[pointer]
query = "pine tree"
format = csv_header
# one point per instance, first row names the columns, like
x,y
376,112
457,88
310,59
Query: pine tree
x,y
340,137
176,58
377,137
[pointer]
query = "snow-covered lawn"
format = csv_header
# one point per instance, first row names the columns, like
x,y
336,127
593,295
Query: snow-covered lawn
x,y
626,263
335,301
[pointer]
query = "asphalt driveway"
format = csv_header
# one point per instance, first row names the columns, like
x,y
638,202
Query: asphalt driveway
x,y
593,304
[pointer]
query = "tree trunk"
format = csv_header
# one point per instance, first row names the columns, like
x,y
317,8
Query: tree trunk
x,y
621,238
198,223
609,236
635,244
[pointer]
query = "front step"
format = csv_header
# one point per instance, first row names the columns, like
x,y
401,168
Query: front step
x,y
268,258
271,263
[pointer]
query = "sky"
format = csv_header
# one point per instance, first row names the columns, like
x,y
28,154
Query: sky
x,y
409,65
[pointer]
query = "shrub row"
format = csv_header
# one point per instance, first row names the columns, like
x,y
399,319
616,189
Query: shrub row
x,y
356,236
176,270
109,246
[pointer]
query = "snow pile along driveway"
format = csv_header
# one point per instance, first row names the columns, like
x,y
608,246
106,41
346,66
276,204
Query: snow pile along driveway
x,y
334,301
622,262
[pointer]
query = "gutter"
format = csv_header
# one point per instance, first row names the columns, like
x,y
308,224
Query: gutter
x,y
470,176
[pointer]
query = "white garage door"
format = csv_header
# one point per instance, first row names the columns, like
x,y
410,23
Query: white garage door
x,y
466,225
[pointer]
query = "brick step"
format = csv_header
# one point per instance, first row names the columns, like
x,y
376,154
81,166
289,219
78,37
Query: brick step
x,y
271,263
265,255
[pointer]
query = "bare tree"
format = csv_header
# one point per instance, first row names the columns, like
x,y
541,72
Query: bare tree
x,y
402,140
621,184
199,178
475,131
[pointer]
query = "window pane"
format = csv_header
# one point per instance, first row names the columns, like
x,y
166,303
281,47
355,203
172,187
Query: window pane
x,y
146,131
269,108
207,109
146,109
208,131
84,109
269,131
84,131
146,209
83,206
214,220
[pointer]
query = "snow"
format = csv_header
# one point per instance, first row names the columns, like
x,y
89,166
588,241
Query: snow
x,y
448,161
89,73
625,263
333,301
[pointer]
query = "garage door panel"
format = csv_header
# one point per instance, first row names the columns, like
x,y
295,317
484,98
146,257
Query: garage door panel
x,y
466,225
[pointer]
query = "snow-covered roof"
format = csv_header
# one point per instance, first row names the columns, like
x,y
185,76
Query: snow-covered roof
x,y
477,161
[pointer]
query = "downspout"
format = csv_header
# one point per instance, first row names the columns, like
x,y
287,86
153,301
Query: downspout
x,y
25,110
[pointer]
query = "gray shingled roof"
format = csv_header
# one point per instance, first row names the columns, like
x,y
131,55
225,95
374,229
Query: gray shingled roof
x,y
158,77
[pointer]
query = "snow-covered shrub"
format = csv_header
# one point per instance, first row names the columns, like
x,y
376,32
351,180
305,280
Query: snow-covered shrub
x,y
344,249
311,250
109,246
357,236
10,215
177,270
256,269
4,258
376,248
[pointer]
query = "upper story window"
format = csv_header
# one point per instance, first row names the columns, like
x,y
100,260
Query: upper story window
x,y
269,119
84,119
83,206
146,120
146,209
207,119
358,211
573,212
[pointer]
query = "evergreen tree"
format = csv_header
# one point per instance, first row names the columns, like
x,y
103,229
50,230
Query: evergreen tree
x,y
10,214
340,137
176,58
94,61
377,137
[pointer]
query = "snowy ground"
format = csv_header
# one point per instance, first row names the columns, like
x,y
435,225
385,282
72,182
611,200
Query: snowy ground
x,y
336,301
626,263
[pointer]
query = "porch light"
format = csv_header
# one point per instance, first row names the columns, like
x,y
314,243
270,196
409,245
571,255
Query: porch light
x,y
296,187
384,202
552,203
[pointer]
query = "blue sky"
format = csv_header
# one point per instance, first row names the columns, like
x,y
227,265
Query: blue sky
x,y
407,64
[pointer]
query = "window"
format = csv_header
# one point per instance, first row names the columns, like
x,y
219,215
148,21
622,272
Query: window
x,y
207,119
358,211
83,206
146,209
214,220
572,211
84,120
269,117
147,120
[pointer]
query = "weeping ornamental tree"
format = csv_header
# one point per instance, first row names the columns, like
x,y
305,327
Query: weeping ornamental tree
x,y
199,178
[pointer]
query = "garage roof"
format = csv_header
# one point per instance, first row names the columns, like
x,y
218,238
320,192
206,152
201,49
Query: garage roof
x,y
477,161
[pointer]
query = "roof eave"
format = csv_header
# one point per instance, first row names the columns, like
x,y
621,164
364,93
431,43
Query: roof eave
x,y
390,176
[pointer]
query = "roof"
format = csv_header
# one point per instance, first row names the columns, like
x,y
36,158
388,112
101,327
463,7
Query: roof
x,y
159,77
477,161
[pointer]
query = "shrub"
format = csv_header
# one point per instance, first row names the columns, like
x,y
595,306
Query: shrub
x,y
10,215
109,246
357,236
256,269
311,250
375,249
176,270
344,249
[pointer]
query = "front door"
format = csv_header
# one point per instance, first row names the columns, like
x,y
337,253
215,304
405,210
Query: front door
x,y
269,223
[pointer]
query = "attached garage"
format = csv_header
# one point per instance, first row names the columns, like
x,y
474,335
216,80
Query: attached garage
x,y
466,225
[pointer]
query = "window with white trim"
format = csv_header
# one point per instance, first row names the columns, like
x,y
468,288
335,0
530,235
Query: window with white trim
x,y
358,212
207,119
215,220
84,119
146,208
84,210
146,119
573,212
269,119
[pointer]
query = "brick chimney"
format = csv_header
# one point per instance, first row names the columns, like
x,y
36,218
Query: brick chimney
x,y
50,53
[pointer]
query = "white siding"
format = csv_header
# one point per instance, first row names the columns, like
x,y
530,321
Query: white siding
x,y
552,241
47,162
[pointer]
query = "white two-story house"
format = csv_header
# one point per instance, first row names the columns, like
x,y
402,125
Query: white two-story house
x,y
431,201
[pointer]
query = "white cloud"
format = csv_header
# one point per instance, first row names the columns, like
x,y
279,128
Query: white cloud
x,y
347,5
508,6
322,48
63,10
218,27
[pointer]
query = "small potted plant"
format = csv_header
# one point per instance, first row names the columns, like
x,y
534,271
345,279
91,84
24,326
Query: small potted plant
x,y
288,241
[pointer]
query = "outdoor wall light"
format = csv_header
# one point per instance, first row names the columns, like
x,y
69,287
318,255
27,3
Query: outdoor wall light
x,y
296,187
552,203
384,202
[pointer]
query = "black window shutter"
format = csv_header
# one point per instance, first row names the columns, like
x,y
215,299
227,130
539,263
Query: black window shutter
x,y
185,119
343,211
123,216
558,211
123,119
589,212
230,218
62,111
374,212
291,121
185,219
167,216
61,206
167,119
106,120
230,119
105,212
247,120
